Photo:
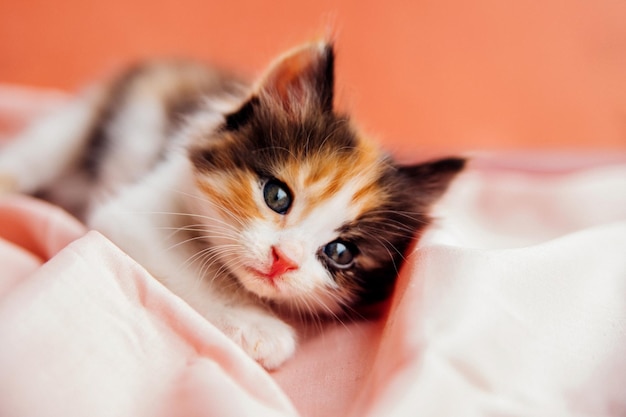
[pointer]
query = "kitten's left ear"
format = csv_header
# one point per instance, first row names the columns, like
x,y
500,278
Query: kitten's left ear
x,y
432,178
301,79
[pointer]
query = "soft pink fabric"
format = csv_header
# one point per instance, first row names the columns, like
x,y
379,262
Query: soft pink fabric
x,y
30,233
515,304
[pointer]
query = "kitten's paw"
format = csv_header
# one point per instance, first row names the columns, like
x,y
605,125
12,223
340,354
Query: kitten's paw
x,y
267,339
8,184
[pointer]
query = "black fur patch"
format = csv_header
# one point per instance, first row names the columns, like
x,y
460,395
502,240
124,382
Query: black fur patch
x,y
238,119
98,143
384,233
325,79
267,141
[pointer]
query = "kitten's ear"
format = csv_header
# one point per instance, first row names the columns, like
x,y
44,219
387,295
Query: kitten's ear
x,y
301,79
432,178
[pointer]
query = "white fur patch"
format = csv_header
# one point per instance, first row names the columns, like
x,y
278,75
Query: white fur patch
x,y
301,234
42,153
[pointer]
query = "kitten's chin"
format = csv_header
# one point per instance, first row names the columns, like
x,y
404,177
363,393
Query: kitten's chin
x,y
264,285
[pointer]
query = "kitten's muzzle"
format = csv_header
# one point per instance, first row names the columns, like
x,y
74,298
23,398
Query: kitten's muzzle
x,y
281,263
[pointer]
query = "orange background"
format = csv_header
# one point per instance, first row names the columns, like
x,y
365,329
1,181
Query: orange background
x,y
422,75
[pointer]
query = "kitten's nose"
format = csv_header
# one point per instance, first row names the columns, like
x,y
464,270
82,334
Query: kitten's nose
x,y
281,262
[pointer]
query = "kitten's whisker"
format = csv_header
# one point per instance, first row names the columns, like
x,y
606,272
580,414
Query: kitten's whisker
x,y
217,206
211,203
391,257
331,313
407,214
302,306
276,148
339,125
221,271
213,252
200,234
196,215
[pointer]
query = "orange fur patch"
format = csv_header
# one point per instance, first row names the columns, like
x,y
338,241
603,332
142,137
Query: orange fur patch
x,y
320,179
233,192
313,182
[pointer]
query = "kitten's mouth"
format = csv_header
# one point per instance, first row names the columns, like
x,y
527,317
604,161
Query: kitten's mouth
x,y
264,284
268,277
271,284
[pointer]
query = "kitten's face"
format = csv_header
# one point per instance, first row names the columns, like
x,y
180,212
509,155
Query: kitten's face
x,y
302,209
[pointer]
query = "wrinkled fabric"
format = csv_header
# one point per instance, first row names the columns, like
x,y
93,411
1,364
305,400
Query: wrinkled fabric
x,y
513,304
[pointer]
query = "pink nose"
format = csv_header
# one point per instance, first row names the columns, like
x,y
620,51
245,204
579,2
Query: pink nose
x,y
281,263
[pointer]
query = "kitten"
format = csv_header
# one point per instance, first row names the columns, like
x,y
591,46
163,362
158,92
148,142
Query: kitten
x,y
248,201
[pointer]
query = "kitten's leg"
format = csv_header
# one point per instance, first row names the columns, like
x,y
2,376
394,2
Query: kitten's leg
x,y
141,219
263,336
40,154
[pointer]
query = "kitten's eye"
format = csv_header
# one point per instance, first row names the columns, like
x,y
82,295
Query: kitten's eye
x,y
277,196
340,253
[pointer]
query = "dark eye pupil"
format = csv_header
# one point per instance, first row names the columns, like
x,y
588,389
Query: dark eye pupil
x,y
339,253
277,196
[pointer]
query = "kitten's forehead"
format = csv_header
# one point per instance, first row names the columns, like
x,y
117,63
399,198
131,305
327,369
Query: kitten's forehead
x,y
351,177
319,156
336,184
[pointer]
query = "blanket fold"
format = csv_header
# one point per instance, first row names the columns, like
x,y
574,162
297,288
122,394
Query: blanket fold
x,y
91,330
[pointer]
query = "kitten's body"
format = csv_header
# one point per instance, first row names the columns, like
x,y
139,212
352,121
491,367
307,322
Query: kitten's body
x,y
239,198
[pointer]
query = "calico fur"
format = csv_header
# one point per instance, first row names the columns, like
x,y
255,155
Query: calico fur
x,y
250,201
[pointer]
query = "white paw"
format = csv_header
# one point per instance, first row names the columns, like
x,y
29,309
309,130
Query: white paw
x,y
267,339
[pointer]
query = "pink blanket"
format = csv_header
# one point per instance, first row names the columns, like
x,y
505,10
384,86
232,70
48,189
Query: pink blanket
x,y
514,304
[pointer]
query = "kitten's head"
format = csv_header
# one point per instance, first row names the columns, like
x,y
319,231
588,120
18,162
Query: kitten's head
x,y
305,210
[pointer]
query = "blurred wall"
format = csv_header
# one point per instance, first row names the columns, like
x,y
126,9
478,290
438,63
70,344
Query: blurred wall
x,y
422,75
